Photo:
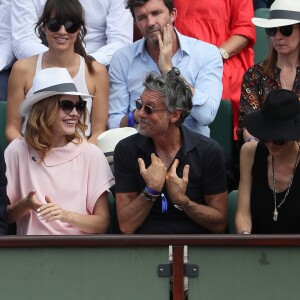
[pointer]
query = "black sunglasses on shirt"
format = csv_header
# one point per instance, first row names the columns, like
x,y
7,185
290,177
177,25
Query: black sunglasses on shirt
x,y
284,30
54,25
67,106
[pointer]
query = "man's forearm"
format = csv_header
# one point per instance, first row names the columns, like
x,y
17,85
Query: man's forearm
x,y
132,214
206,216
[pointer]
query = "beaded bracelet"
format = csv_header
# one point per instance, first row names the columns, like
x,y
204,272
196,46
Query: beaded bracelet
x,y
149,196
152,195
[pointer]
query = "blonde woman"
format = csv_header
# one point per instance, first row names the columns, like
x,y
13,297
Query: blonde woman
x,y
57,181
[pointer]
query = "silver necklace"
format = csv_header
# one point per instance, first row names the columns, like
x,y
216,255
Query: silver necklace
x,y
276,207
283,84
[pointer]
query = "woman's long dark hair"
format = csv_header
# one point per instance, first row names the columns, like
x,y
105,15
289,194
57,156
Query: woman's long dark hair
x,y
66,10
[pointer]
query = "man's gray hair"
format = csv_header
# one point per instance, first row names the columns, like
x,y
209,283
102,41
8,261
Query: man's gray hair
x,y
177,95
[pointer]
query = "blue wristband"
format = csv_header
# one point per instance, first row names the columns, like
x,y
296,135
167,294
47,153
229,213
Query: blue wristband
x,y
164,202
130,121
152,192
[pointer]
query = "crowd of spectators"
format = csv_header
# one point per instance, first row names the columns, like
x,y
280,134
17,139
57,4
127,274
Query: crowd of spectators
x,y
168,84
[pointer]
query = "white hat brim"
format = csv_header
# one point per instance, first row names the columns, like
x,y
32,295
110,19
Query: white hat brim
x,y
266,23
27,104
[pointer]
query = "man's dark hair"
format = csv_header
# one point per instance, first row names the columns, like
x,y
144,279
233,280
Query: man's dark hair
x,y
176,93
131,4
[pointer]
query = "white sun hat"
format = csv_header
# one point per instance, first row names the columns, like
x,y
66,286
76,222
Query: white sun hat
x,y
49,82
282,13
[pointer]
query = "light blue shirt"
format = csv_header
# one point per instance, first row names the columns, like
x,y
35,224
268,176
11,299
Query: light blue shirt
x,y
200,64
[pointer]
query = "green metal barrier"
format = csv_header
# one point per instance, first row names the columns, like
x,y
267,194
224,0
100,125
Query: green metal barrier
x,y
259,273
118,267
83,273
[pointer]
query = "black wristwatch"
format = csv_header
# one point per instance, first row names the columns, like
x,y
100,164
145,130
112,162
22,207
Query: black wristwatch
x,y
174,72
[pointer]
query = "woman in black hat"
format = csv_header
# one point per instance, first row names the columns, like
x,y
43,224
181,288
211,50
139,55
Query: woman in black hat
x,y
269,190
281,69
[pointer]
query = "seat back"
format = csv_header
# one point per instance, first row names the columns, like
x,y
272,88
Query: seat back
x,y
114,223
221,129
232,204
262,44
108,140
3,141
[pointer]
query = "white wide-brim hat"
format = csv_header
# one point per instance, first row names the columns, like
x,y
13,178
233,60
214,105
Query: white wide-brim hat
x,y
49,82
282,13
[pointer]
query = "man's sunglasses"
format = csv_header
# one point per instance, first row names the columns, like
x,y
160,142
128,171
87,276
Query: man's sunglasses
x,y
276,142
284,30
147,108
54,25
67,106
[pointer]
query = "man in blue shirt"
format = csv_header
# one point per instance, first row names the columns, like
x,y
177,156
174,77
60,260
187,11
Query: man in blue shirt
x,y
163,49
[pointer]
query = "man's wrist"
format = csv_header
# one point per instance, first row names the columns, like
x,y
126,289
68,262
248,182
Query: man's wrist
x,y
174,72
150,194
184,204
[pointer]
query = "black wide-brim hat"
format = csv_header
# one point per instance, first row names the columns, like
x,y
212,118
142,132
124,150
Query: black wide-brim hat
x,y
279,117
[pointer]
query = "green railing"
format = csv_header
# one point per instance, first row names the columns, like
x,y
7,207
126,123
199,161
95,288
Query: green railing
x,y
118,267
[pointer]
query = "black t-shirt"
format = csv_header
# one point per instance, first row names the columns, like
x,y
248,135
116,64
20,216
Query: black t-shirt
x,y
207,176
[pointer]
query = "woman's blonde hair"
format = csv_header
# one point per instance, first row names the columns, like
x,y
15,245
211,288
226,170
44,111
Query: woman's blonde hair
x,y
38,132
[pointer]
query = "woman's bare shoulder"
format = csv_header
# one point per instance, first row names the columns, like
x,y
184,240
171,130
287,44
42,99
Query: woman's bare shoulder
x,y
249,147
26,64
99,68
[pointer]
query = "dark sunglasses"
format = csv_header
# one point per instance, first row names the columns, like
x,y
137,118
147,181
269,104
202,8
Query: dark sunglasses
x,y
276,142
147,108
54,25
284,30
67,106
